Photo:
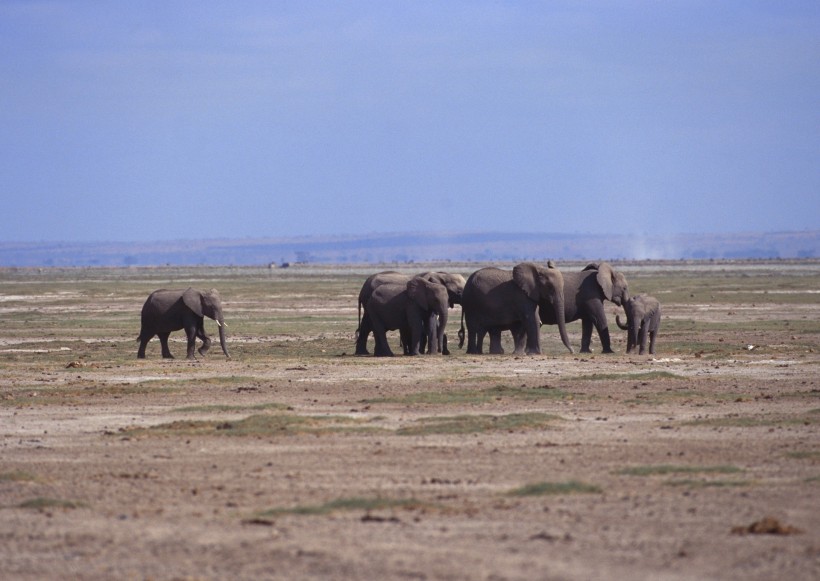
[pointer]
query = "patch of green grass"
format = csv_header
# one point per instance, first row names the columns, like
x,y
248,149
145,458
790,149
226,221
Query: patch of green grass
x,y
691,483
476,396
44,503
346,504
658,397
17,476
72,394
229,408
472,424
552,488
753,422
805,454
644,376
260,425
663,469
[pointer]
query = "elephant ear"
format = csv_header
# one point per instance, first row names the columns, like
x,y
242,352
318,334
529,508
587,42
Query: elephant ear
x,y
604,278
525,276
417,291
193,301
591,266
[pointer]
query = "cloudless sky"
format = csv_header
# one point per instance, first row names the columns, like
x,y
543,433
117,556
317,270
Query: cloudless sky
x,y
149,120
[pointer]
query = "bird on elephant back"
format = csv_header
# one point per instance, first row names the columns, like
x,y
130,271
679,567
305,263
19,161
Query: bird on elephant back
x,y
453,283
416,308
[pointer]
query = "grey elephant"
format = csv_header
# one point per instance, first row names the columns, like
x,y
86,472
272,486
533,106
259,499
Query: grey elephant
x,y
171,310
495,300
643,318
454,283
585,293
412,308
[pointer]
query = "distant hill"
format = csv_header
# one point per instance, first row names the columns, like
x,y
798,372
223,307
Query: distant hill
x,y
414,247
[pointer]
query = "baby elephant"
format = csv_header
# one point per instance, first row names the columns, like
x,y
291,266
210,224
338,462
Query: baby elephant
x,y
643,316
171,310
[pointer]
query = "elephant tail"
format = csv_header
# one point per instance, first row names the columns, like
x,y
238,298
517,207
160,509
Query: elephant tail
x,y
618,322
359,325
461,331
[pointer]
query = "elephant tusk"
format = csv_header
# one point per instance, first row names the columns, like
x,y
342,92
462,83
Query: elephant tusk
x,y
218,324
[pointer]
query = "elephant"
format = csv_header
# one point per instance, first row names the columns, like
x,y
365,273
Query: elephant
x,y
643,317
454,283
411,308
170,310
495,300
585,293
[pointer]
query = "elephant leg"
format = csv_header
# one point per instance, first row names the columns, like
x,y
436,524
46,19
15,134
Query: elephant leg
x,y
206,341
365,329
163,341
533,333
652,335
643,336
191,332
429,335
495,343
382,347
475,339
424,344
144,338
605,342
444,349
586,335
519,341
406,341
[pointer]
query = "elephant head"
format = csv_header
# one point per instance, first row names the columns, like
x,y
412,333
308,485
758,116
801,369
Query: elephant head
x,y
432,298
612,283
454,283
207,304
545,286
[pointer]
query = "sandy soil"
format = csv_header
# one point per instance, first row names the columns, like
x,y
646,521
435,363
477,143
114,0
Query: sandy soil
x,y
364,468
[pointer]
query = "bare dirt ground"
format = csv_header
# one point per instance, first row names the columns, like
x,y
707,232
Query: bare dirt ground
x,y
297,460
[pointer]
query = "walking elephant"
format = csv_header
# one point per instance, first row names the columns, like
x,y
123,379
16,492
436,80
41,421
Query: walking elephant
x,y
454,283
171,310
495,300
643,317
585,293
411,308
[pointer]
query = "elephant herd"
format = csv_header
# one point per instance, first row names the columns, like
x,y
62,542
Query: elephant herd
x,y
492,300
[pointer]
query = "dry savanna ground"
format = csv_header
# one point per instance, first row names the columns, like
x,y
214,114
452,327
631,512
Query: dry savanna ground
x,y
298,460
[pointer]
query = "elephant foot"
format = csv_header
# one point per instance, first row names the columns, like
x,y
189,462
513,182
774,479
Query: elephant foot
x,y
359,352
607,351
140,355
167,356
383,355
202,351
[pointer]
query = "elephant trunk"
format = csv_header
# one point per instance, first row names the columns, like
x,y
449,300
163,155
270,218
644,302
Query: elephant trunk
x,y
221,323
562,322
621,325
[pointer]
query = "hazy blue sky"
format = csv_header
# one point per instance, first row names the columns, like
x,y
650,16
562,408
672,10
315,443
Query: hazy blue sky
x,y
167,120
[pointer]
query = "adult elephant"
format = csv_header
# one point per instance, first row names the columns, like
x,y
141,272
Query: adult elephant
x,y
171,310
411,308
585,293
495,300
454,283
643,318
